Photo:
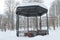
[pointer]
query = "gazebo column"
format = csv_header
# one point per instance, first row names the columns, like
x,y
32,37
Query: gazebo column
x,y
28,24
47,23
40,23
17,25
36,22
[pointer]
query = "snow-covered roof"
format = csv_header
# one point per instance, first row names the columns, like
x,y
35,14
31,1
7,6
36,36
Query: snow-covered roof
x,y
32,3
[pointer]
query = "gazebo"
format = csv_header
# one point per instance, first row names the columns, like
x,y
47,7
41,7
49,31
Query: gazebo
x,y
31,11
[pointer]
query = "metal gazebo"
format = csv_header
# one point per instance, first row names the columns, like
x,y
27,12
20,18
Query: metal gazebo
x,y
31,11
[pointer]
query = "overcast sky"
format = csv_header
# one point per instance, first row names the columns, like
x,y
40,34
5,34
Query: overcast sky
x,y
48,2
2,4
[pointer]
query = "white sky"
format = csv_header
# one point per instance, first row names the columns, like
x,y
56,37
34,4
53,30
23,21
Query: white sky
x,y
48,2
2,5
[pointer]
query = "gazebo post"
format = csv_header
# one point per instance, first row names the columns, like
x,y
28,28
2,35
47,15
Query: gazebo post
x,y
17,25
28,24
47,23
40,23
37,23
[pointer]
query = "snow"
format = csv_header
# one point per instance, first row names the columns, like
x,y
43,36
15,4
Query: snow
x,y
11,35
53,35
32,3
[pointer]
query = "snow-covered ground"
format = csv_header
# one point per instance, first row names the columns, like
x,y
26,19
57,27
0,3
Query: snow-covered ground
x,y
11,35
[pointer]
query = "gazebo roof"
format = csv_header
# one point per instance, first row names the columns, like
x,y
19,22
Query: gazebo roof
x,y
31,10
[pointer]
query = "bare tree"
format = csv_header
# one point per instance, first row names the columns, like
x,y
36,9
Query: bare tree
x,y
55,11
10,13
4,23
0,21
